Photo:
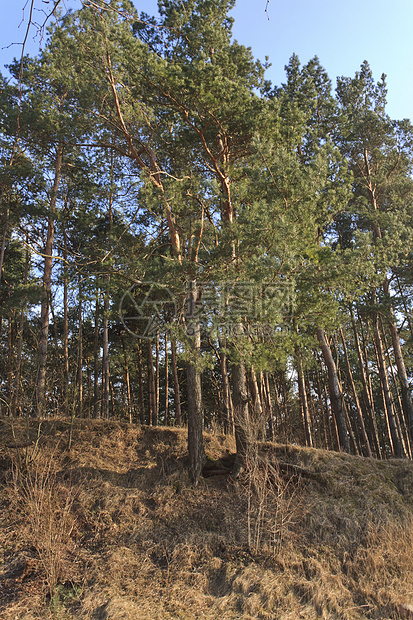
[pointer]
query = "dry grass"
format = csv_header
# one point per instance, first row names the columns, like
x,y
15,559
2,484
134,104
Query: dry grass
x,y
44,505
114,530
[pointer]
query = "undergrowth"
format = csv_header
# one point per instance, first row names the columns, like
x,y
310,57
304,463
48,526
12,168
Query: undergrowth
x,y
114,529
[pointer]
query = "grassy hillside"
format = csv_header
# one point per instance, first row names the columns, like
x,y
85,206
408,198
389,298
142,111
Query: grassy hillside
x,y
113,529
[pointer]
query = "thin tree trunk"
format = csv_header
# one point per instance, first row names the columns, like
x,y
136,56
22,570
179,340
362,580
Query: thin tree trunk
x,y
112,397
368,403
140,379
269,407
4,239
65,329
47,285
10,357
353,435
166,421
331,420
366,440
303,401
325,422
259,420
105,357
195,412
89,388
401,368
157,378
152,421
177,392
96,399
401,421
80,355
406,310
387,395
19,346
226,392
336,395
127,379
243,439
3,249
277,420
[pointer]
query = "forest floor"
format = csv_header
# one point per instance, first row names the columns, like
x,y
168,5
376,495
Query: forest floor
x,y
113,529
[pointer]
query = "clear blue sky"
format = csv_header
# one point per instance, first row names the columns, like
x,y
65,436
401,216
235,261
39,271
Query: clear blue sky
x,y
342,34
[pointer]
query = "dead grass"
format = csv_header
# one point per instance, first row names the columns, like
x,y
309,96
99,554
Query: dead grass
x,y
44,505
113,529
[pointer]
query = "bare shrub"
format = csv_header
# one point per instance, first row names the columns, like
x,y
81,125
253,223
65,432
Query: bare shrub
x,y
274,506
274,502
45,504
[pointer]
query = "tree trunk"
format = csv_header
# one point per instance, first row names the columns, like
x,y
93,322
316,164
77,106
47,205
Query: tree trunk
x,y
3,249
226,392
105,357
268,404
387,395
19,346
368,404
259,419
195,414
401,422
336,395
401,368
140,379
243,439
65,328
4,239
10,357
47,286
177,393
80,356
277,418
366,441
157,378
166,419
152,421
96,399
304,401
325,422
127,379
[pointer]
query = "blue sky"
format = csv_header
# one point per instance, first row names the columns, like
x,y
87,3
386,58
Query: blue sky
x,y
341,34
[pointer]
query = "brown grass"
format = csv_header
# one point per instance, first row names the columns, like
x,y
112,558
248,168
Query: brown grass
x,y
113,529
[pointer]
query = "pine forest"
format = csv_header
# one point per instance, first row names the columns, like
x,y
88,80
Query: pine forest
x,y
185,244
